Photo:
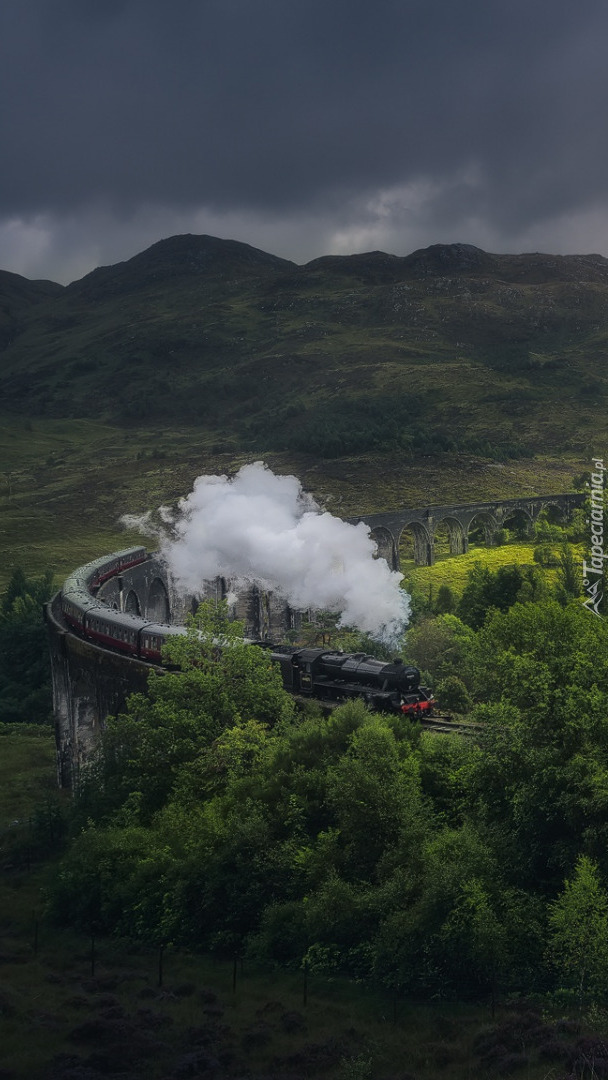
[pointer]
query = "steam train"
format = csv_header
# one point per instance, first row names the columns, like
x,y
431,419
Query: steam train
x,y
306,673
337,676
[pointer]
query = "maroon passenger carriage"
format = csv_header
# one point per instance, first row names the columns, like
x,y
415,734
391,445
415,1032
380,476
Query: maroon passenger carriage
x,y
108,626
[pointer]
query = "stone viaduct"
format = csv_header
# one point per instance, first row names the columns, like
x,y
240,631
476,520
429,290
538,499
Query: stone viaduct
x,y
91,682
389,529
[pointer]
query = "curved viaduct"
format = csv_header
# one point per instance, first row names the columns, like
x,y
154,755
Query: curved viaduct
x,y
91,682
388,529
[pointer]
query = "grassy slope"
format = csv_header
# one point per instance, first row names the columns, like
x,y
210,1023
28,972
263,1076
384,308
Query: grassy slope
x,y
65,483
199,355
27,771
453,571
247,349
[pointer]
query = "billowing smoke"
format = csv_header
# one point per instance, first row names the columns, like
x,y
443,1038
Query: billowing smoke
x,y
263,529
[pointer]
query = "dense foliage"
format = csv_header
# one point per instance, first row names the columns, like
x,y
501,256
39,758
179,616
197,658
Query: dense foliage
x,y
216,818
25,669
371,422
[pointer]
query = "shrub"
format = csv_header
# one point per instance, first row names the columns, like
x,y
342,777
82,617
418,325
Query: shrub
x,y
453,694
446,601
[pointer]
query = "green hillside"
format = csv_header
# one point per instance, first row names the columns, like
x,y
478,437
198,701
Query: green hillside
x,y
447,349
450,374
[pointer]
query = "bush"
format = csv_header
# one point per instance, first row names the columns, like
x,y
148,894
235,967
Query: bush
x,y
452,694
544,555
446,601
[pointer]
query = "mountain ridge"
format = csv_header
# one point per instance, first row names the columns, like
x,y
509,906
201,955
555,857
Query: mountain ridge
x,y
186,254
449,347
436,259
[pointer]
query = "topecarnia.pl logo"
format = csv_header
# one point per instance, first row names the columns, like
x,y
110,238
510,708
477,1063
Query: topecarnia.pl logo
x,y
593,571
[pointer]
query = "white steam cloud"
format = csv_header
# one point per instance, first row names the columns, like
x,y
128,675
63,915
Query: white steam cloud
x,y
263,529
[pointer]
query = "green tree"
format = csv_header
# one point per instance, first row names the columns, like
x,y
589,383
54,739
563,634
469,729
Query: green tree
x,y
441,647
475,938
533,587
321,630
545,532
420,601
487,589
578,922
25,670
577,528
356,840
410,946
569,575
542,671
114,880
445,602
545,555
220,682
372,791
452,694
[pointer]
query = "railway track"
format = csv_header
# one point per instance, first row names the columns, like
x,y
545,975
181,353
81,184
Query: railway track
x,y
446,725
441,724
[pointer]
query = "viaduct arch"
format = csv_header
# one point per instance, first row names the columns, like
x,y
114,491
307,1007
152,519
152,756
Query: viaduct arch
x,y
388,529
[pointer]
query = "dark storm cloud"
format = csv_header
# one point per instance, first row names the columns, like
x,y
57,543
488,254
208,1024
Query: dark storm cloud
x,y
276,107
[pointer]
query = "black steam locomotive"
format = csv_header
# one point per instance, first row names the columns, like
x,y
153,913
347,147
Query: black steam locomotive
x,y
337,676
318,673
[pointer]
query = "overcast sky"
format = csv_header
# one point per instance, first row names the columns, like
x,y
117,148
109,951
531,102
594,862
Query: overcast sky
x,y
304,127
